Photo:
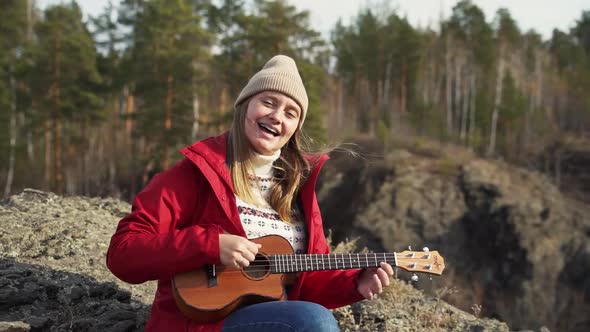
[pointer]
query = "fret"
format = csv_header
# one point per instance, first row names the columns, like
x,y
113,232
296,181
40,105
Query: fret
x,y
303,262
367,259
287,263
358,260
317,262
323,263
307,263
304,265
376,263
329,263
285,268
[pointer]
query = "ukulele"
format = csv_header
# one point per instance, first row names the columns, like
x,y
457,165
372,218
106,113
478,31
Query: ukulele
x,y
212,293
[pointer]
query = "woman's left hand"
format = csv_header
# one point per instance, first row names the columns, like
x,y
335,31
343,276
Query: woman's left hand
x,y
372,281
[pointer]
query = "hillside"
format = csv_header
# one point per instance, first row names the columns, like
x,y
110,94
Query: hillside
x,y
53,277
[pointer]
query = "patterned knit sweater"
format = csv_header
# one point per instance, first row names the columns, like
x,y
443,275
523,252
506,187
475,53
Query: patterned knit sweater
x,y
263,220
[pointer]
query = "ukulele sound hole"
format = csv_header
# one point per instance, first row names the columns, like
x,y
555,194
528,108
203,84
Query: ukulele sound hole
x,y
259,268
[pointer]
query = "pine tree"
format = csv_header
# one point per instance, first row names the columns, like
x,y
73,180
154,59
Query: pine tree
x,y
63,80
13,33
166,61
273,27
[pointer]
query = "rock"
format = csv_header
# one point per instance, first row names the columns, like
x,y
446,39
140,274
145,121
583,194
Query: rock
x,y
14,327
513,243
69,307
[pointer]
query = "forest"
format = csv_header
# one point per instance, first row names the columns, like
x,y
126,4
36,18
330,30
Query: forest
x,y
96,106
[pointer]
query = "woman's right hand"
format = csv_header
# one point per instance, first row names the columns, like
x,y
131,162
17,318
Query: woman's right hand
x,y
236,251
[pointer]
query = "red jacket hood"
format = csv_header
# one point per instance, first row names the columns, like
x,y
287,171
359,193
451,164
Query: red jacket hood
x,y
214,149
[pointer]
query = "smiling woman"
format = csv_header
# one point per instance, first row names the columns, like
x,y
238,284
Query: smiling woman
x,y
271,120
212,210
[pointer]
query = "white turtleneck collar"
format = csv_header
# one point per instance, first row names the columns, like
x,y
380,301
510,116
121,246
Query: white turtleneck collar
x,y
263,164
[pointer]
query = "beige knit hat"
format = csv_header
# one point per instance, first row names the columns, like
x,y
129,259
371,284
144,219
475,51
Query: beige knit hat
x,y
278,74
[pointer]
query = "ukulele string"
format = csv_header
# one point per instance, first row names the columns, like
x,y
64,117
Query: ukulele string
x,y
314,266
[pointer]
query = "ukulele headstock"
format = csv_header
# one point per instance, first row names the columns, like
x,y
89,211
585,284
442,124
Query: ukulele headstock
x,y
421,261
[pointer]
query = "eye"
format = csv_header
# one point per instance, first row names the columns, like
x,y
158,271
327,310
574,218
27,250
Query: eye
x,y
267,102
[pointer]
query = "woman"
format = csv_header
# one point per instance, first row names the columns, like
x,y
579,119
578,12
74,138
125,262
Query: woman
x,y
253,181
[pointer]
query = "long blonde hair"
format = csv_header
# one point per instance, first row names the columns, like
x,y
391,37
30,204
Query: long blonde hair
x,y
290,170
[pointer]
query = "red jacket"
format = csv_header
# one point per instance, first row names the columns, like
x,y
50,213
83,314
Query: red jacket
x,y
175,224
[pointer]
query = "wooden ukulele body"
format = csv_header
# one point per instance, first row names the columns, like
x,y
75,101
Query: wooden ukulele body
x,y
205,298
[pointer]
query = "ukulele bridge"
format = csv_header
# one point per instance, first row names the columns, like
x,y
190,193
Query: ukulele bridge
x,y
211,276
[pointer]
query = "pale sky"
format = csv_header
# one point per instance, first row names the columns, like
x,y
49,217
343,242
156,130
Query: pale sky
x,y
542,15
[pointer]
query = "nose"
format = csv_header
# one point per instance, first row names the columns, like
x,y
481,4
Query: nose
x,y
275,115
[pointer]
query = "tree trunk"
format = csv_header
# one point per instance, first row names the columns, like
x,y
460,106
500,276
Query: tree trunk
x,y
449,98
465,108
404,89
30,7
458,90
58,155
340,106
497,100
13,133
472,96
168,121
195,129
129,110
48,148
57,119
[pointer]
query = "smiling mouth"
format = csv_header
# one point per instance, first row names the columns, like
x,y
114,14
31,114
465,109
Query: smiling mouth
x,y
268,129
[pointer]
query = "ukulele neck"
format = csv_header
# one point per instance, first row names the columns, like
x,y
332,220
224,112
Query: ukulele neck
x,y
322,262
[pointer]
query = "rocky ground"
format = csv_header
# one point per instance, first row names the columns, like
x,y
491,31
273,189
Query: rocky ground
x,y
53,277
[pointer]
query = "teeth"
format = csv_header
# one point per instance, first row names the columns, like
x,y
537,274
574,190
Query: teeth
x,y
269,129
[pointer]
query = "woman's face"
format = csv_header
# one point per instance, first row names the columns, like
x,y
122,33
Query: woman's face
x,y
271,120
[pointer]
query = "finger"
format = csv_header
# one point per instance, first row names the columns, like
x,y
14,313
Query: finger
x,y
387,268
369,295
376,286
383,277
248,256
252,247
244,249
244,262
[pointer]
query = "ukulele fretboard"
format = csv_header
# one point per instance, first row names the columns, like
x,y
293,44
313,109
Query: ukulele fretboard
x,y
320,262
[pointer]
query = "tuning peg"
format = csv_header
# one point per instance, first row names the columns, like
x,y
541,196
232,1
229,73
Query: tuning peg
x,y
414,277
425,249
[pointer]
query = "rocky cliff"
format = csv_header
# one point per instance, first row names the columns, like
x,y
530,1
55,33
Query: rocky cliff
x,y
515,246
